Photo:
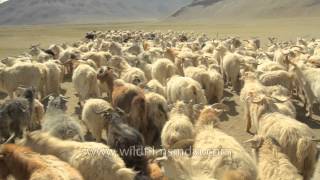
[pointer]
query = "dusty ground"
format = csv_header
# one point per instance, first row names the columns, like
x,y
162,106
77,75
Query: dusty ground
x,y
14,40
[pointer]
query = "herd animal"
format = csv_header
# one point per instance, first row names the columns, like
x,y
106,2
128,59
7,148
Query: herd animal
x,y
150,107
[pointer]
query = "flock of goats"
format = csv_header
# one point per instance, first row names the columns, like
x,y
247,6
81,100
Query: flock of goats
x,y
150,104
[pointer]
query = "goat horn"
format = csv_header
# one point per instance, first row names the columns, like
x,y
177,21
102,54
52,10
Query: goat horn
x,y
46,97
220,106
182,144
64,97
160,159
102,111
281,98
10,138
296,47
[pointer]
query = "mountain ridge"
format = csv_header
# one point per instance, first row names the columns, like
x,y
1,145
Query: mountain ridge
x,y
247,9
80,11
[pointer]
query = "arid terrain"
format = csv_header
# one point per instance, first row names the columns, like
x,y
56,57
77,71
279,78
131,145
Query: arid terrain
x,y
17,39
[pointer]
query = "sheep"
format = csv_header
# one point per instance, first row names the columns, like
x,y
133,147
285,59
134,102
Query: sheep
x,y
37,108
270,66
92,160
156,87
100,58
199,75
143,64
127,141
229,65
156,172
251,84
278,77
24,74
181,167
10,61
272,163
134,76
280,56
233,161
52,104
286,107
231,68
132,100
37,115
53,79
186,58
91,116
179,127
157,116
62,126
128,97
65,56
216,87
44,78
294,137
308,81
115,48
85,82
162,70
15,116
57,123
40,55
184,89
212,82
23,164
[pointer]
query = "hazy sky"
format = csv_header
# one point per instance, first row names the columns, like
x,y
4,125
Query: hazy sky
x,y
1,1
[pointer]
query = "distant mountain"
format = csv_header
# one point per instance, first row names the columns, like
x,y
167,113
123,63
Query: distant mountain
x,y
238,9
80,11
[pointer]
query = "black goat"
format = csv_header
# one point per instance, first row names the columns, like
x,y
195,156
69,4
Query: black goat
x,y
128,142
15,116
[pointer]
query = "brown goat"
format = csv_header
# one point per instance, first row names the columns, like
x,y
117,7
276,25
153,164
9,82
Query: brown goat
x,y
129,98
24,164
155,172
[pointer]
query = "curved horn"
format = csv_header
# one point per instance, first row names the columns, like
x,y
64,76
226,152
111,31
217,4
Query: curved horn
x,y
220,106
10,138
46,97
297,47
64,97
182,144
281,98
102,111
